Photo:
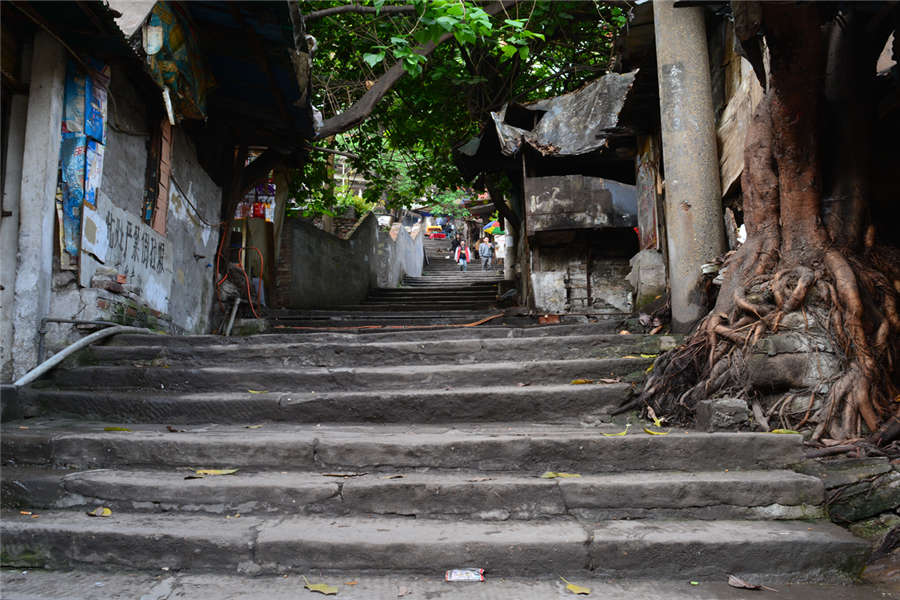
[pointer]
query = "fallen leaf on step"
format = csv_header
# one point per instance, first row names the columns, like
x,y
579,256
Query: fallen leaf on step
x,y
257,391
216,471
478,479
253,426
620,433
521,384
25,512
629,356
343,474
656,330
651,432
783,431
610,380
576,589
624,332
737,582
351,582
100,511
548,319
559,475
649,355
652,414
116,429
581,381
173,430
394,477
23,426
322,588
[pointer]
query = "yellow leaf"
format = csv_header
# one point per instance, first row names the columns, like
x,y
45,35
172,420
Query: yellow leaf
x,y
648,369
216,471
322,588
100,511
257,391
651,432
783,431
629,356
620,433
576,589
649,355
555,475
581,381
253,426
115,429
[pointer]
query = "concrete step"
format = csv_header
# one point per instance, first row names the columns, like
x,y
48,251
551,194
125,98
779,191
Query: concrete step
x,y
484,332
377,353
687,549
637,495
91,584
550,403
486,447
321,379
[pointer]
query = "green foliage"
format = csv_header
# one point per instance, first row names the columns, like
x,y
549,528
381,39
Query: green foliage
x,y
533,50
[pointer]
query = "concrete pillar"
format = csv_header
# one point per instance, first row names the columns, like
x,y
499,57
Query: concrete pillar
x,y
509,260
9,230
37,208
693,202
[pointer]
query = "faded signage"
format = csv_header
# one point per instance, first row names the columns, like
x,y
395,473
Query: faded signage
x,y
578,202
114,238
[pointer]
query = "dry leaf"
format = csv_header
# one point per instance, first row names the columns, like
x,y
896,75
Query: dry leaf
x,y
100,511
23,426
25,512
520,384
576,589
173,430
253,426
609,380
559,475
581,381
394,477
322,588
115,429
624,332
651,432
784,431
351,582
257,391
215,471
737,582
656,330
620,433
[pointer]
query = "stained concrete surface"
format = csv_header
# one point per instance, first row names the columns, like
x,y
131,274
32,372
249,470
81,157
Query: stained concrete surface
x,y
88,585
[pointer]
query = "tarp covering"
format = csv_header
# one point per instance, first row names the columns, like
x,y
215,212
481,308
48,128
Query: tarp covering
x,y
572,124
179,65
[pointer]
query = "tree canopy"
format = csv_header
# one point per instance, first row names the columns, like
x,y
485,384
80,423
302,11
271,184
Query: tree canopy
x,y
443,66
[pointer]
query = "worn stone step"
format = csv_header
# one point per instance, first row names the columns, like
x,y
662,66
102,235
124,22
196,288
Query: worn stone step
x,y
767,495
550,403
302,353
485,332
486,447
320,379
83,585
686,549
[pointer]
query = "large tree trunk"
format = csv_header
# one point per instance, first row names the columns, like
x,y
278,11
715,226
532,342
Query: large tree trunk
x,y
811,257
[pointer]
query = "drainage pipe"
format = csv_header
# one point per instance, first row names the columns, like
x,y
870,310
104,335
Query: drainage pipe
x,y
57,358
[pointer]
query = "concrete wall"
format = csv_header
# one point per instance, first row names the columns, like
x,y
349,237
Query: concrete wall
x,y
398,253
560,282
320,270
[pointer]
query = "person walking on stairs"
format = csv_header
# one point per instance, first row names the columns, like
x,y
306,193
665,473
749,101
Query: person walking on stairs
x,y
462,256
486,252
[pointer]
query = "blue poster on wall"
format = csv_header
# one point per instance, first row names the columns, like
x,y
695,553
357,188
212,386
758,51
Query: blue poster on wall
x,y
72,165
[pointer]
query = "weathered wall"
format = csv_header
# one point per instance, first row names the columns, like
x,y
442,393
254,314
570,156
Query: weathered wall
x,y
397,253
36,203
561,282
168,279
319,270
326,270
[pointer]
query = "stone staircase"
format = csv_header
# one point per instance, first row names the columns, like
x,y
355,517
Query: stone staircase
x,y
441,295
396,452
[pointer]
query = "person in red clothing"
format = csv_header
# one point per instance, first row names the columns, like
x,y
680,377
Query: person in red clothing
x,y
461,256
